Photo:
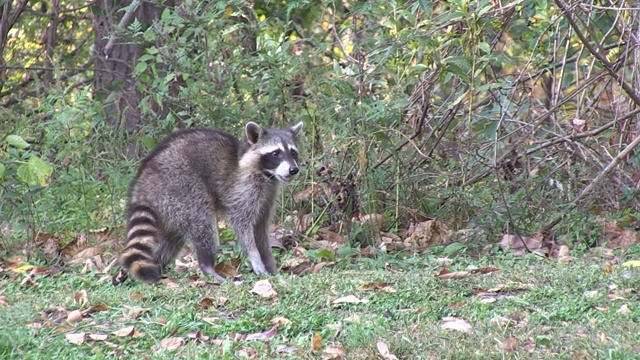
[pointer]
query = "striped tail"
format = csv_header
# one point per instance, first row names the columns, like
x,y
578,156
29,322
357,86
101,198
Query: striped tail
x,y
139,256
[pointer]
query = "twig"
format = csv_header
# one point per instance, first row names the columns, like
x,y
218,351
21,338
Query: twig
x,y
598,55
126,19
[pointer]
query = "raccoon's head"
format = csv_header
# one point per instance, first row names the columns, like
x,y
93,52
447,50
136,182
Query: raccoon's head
x,y
274,151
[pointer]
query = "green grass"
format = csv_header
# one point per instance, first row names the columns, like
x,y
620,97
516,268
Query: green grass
x,y
566,310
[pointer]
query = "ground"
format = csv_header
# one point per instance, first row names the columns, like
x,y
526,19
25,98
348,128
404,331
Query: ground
x,y
383,308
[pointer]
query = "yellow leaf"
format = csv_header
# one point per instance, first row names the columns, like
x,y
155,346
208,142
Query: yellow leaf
x,y
24,268
631,263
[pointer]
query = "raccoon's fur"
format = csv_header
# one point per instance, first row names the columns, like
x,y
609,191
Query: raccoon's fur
x,y
194,176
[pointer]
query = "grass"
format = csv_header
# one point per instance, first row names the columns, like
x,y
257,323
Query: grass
x,y
544,309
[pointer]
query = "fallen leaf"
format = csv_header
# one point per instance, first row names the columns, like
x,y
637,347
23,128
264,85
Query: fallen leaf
x,y
509,345
519,245
457,324
624,309
617,238
198,336
134,312
75,338
485,271
206,303
86,253
316,342
4,301
264,289
172,343
446,274
81,297
631,263
23,268
266,335
380,286
280,321
227,269
94,308
428,233
285,349
333,352
247,352
383,350
375,221
74,316
98,337
350,299
124,332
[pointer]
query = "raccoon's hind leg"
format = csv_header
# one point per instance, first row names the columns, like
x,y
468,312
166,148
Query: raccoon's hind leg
x,y
169,246
202,231
139,256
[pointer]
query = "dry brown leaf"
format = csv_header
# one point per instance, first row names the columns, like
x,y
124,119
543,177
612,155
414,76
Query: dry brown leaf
x,y
454,323
264,289
624,309
295,261
74,316
280,321
285,349
134,312
94,308
349,299
98,337
509,345
266,335
172,343
332,237
247,352
81,298
518,245
618,238
206,303
374,221
76,338
227,269
4,301
124,332
428,233
86,253
560,252
316,342
198,337
377,286
446,274
333,352
383,350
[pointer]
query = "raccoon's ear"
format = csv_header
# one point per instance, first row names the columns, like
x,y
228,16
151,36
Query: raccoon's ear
x,y
295,129
254,132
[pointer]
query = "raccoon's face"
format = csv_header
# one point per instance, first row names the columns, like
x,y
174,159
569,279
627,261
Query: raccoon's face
x,y
277,150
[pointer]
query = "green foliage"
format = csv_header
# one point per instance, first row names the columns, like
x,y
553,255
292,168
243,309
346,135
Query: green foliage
x,y
461,110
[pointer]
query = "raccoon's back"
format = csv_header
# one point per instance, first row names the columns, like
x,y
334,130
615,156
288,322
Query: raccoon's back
x,y
177,178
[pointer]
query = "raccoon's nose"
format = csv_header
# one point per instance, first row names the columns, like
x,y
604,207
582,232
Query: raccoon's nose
x,y
293,170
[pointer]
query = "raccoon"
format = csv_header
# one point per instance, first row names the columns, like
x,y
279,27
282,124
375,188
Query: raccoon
x,y
195,176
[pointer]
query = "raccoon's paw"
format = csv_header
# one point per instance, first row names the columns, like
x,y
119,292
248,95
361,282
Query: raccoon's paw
x,y
258,266
211,271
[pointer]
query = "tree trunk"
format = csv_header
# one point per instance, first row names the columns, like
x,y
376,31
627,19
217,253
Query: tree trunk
x,y
115,60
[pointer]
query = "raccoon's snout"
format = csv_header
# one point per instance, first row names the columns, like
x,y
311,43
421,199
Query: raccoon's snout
x,y
293,170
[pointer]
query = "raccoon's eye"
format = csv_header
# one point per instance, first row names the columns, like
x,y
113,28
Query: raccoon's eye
x,y
294,153
276,153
